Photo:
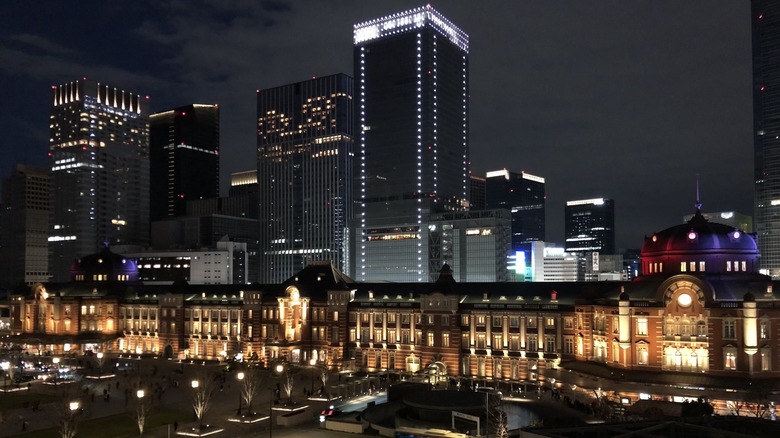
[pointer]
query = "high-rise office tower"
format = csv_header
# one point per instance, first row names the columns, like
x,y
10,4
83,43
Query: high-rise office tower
x,y
477,187
304,173
99,153
765,16
590,226
24,227
523,195
184,155
412,87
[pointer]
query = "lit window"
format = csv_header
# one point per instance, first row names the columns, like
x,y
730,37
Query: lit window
x,y
744,266
641,327
728,266
730,361
701,266
642,355
683,266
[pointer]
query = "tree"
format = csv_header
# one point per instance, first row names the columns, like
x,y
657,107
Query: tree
x,y
142,410
68,408
324,376
202,390
252,382
288,383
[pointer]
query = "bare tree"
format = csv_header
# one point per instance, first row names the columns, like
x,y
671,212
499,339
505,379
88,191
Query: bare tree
x,y
496,418
287,384
143,407
324,376
202,390
252,382
735,406
69,409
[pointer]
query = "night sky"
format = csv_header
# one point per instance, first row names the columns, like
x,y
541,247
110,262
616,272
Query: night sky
x,y
622,99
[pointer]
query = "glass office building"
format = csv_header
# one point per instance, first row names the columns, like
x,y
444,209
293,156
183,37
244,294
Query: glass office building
x,y
304,173
411,78
99,155
590,225
184,144
765,16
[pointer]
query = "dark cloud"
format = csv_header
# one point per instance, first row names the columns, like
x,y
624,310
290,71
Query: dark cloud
x,y
628,100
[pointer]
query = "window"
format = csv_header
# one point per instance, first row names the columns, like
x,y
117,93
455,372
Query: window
x,y
445,320
764,329
744,266
430,319
683,266
514,322
480,340
481,320
514,343
568,323
352,335
615,325
405,318
430,339
464,320
531,322
378,335
445,339
728,266
701,266
464,340
496,321
701,328
641,327
532,343
730,361
391,318
549,322
498,341
642,355
377,318
549,344
729,329
568,345
766,359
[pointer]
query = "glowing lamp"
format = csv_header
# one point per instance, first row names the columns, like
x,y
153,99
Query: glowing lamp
x,y
692,235
736,234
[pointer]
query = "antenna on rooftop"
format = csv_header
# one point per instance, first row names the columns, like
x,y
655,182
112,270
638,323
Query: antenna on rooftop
x,y
698,201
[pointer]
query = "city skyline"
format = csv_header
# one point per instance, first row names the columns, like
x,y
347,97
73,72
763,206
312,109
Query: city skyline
x,y
655,93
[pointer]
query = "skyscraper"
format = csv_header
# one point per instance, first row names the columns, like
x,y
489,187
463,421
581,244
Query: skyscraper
x,y
184,152
99,154
304,172
24,227
523,195
765,16
590,226
412,83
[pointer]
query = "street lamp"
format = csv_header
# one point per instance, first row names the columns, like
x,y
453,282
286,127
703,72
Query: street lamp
x,y
100,363
312,362
56,362
5,365
195,384
240,377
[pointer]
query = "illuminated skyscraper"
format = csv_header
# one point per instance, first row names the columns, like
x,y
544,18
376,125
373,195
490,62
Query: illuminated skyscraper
x,y
523,195
412,87
765,16
99,150
304,174
184,156
590,226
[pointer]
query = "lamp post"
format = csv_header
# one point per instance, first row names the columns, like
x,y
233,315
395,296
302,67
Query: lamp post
x,y
141,412
5,365
195,384
240,377
56,362
312,362
100,363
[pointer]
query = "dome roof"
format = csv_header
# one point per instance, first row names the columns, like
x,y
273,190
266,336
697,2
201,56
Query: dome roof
x,y
699,236
104,266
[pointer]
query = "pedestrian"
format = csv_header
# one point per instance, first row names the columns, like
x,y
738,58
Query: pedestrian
x,y
175,425
24,426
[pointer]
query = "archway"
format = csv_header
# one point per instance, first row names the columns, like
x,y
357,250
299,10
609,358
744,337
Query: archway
x,y
168,352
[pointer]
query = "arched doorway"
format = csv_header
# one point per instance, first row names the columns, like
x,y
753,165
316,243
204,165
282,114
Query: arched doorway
x,y
168,351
